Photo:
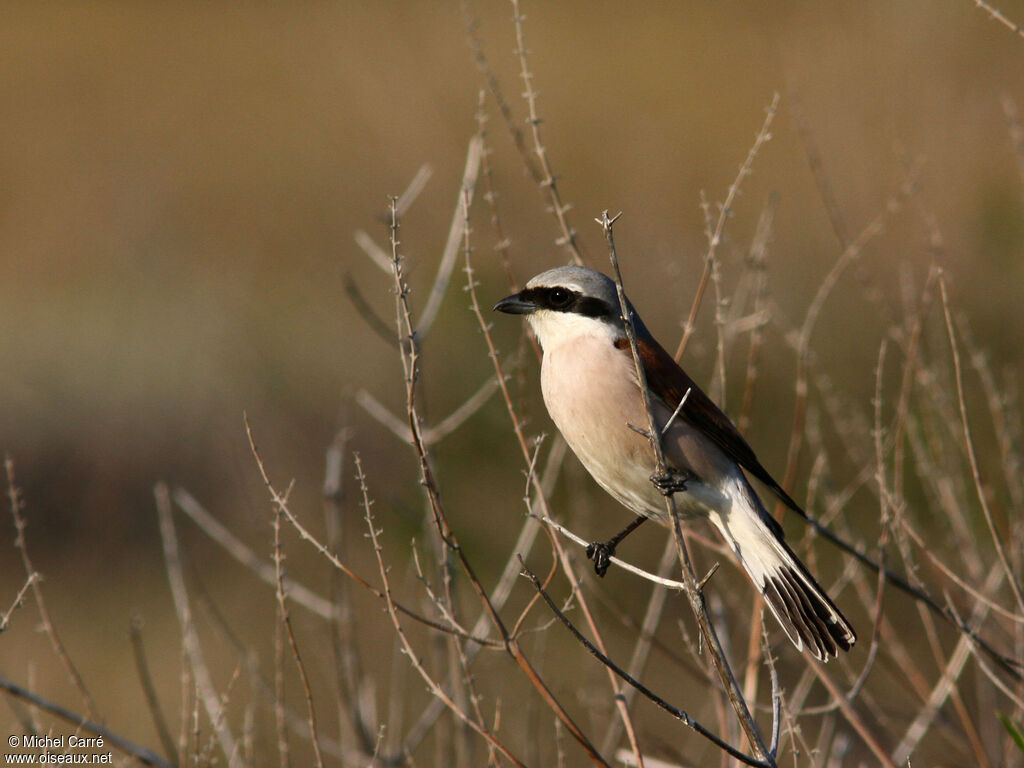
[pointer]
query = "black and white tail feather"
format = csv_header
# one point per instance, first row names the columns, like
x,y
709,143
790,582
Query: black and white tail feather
x,y
801,606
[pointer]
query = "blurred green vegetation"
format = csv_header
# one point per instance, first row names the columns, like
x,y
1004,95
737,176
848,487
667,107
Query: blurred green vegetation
x,y
179,188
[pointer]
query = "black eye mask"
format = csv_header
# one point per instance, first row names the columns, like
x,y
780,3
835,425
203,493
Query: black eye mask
x,y
561,299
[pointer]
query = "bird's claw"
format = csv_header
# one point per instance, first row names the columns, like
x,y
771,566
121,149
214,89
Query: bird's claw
x,y
601,553
671,481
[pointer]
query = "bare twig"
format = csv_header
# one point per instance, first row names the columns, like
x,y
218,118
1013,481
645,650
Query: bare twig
x,y
502,242
18,601
146,680
431,435
851,715
337,563
496,91
143,755
189,712
348,666
295,722
280,721
376,254
369,246
451,247
715,234
974,592
996,15
998,406
945,685
362,306
280,501
693,593
680,714
758,263
549,182
886,503
718,380
623,564
817,165
194,652
972,457
213,528
409,195
410,354
773,675
503,589
645,636
850,254
410,653
32,577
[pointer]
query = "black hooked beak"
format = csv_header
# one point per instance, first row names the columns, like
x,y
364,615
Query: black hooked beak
x,y
515,305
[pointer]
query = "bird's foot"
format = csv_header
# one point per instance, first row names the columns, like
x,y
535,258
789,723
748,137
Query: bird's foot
x,y
672,481
601,553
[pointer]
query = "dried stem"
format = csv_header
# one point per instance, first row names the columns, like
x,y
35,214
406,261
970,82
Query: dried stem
x,y
18,602
431,435
645,634
623,564
410,653
758,263
680,714
972,457
693,592
213,528
549,182
143,755
946,686
149,690
193,650
851,716
451,247
410,364
850,254
280,502
349,675
33,580
497,93
996,15
715,234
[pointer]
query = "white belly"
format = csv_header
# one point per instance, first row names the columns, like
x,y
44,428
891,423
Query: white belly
x,y
591,394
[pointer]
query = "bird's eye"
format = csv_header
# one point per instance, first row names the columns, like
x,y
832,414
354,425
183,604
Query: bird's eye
x,y
559,297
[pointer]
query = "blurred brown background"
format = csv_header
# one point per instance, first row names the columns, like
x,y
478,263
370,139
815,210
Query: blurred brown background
x,y
180,184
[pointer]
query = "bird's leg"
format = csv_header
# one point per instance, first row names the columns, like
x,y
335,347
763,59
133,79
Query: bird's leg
x,y
672,480
601,551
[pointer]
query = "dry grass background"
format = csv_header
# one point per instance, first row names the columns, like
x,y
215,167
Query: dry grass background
x,y
179,188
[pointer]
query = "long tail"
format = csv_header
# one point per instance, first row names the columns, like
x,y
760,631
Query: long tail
x,y
801,606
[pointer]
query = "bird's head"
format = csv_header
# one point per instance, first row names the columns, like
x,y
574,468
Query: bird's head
x,y
566,302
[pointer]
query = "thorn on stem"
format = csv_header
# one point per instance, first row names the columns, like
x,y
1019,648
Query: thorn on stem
x,y
707,577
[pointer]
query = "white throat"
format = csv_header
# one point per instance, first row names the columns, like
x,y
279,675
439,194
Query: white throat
x,y
553,329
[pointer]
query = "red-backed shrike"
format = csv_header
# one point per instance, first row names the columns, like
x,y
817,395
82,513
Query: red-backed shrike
x,y
590,388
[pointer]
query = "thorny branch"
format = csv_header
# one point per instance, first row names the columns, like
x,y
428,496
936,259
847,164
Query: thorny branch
x,y
673,710
33,580
284,616
693,591
190,639
714,236
549,182
143,755
410,363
